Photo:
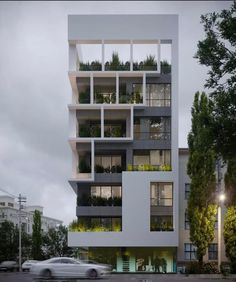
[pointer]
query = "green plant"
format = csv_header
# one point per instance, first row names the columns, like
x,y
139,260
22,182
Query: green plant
x,y
95,131
150,63
99,169
83,167
84,97
115,62
84,130
99,99
130,167
165,67
96,66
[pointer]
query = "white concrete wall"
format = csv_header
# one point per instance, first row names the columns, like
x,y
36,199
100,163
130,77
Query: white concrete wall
x,y
135,216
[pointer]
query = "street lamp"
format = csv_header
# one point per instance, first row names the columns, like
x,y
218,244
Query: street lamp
x,y
220,202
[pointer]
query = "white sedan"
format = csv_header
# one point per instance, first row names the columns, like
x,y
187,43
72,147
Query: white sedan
x,y
65,267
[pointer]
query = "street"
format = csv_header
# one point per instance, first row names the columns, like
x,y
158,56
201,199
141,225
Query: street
x,y
26,277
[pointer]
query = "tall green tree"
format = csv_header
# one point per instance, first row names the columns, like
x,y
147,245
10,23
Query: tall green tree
x,y
201,170
8,241
55,242
37,236
218,52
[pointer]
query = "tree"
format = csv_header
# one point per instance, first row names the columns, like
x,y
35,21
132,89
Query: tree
x,y
37,236
55,242
201,170
217,51
8,241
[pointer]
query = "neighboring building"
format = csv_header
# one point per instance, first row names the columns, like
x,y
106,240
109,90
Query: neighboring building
x,y
124,139
9,210
186,250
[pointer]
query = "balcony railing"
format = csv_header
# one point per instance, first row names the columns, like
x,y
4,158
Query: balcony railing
x,y
131,98
96,201
108,169
89,130
105,98
149,167
152,135
158,102
75,226
114,131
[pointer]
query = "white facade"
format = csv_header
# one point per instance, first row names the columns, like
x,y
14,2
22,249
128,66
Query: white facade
x,y
112,111
9,210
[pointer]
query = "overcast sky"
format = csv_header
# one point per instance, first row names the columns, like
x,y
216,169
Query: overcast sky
x,y
35,157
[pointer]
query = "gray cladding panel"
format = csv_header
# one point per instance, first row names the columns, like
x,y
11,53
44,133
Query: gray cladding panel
x,y
93,27
99,211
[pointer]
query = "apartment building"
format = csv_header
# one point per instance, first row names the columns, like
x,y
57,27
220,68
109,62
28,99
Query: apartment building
x,y
9,210
123,121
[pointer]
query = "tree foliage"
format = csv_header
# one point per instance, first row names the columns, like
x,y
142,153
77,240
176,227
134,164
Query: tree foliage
x,y
37,236
230,235
55,242
218,52
8,241
201,170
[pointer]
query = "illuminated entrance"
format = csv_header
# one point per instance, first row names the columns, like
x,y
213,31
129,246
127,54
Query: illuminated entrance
x,y
136,259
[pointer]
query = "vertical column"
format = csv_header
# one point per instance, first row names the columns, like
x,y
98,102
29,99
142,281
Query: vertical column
x,y
159,56
117,88
72,57
102,122
103,56
144,88
92,159
132,122
91,89
131,55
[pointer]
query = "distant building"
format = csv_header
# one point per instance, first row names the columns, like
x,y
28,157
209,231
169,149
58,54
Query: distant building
x,y
9,210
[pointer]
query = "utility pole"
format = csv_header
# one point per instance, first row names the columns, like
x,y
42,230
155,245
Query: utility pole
x,y
21,200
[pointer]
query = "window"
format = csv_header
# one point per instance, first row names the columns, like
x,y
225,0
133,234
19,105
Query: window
x,y
2,203
213,251
158,128
161,194
10,205
162,223
158,95
106,191
186,221
187,190
190,251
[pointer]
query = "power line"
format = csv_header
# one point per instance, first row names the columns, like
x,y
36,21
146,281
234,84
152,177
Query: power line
x,y
8,193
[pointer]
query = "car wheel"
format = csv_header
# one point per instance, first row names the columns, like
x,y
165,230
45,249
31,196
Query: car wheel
x,y
92,274
47,273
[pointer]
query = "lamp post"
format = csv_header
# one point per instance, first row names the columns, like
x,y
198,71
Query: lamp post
x,y
20,201
221,200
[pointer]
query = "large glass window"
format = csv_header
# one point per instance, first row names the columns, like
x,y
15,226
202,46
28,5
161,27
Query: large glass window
x,y
162,223
157,128
187,190
190,251
161,194
158,95
106,191
186,221
213,251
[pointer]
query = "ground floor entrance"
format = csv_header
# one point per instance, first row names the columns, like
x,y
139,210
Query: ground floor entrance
x,y
135,259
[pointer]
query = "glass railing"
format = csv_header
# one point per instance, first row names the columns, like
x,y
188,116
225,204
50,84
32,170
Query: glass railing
x,y
158,102
152,135
89,130
149,167
131,98
105,98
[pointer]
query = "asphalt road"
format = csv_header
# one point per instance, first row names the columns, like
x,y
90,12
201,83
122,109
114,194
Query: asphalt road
x,y
26,277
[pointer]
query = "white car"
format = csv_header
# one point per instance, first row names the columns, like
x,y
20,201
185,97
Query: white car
x,y
65,267
28,264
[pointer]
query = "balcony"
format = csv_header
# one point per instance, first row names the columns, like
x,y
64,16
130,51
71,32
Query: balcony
x,y
105,90
96,224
